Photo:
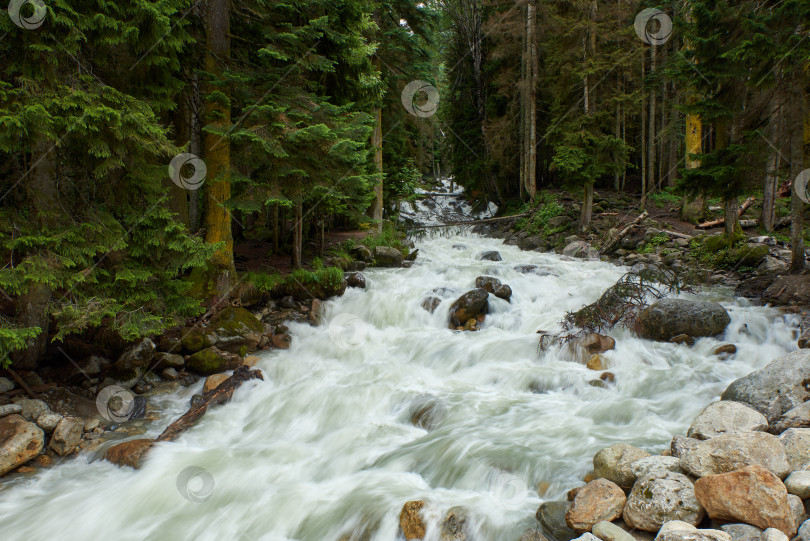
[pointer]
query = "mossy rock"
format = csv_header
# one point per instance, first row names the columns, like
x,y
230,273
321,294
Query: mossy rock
x,y
195,339
748,256
716,243
213,361
235,321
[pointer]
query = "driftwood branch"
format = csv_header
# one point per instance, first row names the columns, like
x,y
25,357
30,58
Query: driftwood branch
x,y
220,394
614,242
720,221
21,383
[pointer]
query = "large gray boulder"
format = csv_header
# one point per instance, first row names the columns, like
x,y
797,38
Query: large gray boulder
x,y
20,441
385,256
677,530
775,389
551,516
798,417
731,452
671,317
726,417
660,497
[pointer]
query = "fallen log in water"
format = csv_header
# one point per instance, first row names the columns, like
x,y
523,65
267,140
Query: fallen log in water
x,y
131,453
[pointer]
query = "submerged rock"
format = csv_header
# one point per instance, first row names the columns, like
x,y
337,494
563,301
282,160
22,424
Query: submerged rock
x,y
671,317
431,303
490,255
410,520
580,249
551,516
494,286
129,453
355,279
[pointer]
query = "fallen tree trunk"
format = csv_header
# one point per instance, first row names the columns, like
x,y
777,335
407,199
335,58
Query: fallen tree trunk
x,y
222,393
720,221
614,242
470,222
131,453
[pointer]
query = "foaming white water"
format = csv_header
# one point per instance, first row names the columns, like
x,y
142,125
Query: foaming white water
x,y
324,446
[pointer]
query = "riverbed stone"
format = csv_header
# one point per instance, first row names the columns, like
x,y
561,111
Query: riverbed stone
x,y
726,417
772,534
494,286
804,531
614,463
730,452
597,501
10,409
32,408
607,531
798,483
468,306
551,516
48,421
163,360
670,317
355,279
798,417
742,532
20,441
660,497
681,444
797,447
677,530
797,508
533,535
775,389
5,385
237,330
212,360
753,495
653,463
129,453
66,435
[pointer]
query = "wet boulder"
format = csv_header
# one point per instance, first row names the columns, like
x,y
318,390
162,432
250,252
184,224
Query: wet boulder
x,y
355,279
581,250
597,501
494,286
130,453
133,362
551,516
386,256
671,317
614,463
20,441
469,306
490,255
777,388
362,253
410,520
67,435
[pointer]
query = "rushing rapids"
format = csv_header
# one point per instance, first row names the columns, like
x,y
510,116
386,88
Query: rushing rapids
x,y
325,446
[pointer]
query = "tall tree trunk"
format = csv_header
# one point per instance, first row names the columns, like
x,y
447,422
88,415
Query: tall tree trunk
x,y
376,210
796,121
774,162
32,306
651,181
298,234
531,185
643,141
590,103
674,137
217,220
196,148
524,108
